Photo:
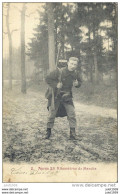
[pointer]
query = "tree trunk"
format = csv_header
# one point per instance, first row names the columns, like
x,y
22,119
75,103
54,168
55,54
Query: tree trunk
x,y
62,38
56,43
23,75
96,68
91,72
10,48
95,58
116,41
89,56
62,46
51,41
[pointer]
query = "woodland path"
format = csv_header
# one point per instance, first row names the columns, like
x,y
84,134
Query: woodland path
x,y
24,126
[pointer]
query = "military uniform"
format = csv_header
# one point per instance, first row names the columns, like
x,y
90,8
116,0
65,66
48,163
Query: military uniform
x,y
62,97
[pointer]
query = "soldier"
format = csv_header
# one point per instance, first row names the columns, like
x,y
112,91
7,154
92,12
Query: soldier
x,y
61,82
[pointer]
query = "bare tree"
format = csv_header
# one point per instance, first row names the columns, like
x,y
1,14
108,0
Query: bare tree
x,y
10,46
9,33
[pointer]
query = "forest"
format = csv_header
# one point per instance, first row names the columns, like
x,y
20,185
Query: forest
x,y
85,30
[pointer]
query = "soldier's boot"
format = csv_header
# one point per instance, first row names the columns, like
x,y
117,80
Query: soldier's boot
x,y
73,135
48,133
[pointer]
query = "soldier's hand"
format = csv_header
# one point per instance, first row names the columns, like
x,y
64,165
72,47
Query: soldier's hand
x,y
59,85
75,83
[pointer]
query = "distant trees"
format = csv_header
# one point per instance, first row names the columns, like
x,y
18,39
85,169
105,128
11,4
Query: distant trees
x,y
38,47
13,55
9,33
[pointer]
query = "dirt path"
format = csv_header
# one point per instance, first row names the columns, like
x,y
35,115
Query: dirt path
x,y
24,125
96,110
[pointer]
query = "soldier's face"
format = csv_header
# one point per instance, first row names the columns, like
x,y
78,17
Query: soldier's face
x,y
72,65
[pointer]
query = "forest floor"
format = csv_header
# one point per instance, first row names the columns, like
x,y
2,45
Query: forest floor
x,y
24,128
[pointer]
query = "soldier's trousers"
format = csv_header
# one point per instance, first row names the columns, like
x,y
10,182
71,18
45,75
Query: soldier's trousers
x,y
70,115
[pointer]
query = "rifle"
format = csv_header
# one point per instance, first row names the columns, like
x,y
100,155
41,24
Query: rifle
x,y
53,97
59,46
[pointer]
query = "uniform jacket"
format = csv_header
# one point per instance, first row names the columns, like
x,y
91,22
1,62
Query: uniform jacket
x,y
67,79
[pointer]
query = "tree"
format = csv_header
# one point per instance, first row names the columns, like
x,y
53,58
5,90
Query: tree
x,y
10,46
23,75
51,41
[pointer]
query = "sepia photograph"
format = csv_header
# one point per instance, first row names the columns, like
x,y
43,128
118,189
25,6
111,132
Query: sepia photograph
x,y
59,92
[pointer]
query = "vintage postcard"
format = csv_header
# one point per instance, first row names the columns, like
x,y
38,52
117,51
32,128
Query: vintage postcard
x,y
60,64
